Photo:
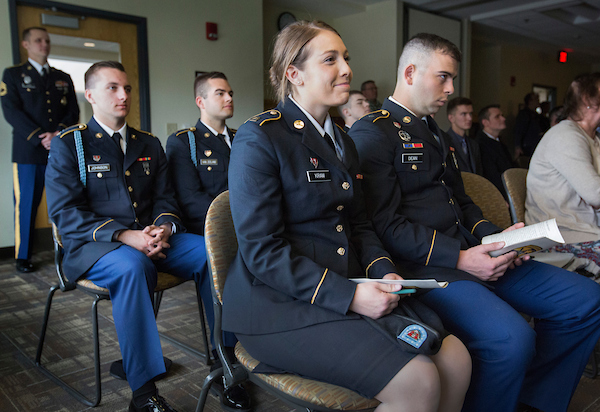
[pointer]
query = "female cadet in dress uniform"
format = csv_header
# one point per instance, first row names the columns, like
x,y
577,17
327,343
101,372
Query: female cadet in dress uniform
x,y
297,207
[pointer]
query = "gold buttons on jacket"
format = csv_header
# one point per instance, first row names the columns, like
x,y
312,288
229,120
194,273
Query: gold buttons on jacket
x,y
444,183
443,164
137,220
134,204
209,168
340,208
127,173
99,174
451,201
299,124
130,189
339,228
48,101
49,110
341,251
345,185
414,167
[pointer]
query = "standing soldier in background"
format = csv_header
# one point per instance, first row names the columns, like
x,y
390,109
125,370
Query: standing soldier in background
x,y
38,101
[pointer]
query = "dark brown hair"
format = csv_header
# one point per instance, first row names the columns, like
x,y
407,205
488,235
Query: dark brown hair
x,y
202,79
458,101
584,87
91,72
28,30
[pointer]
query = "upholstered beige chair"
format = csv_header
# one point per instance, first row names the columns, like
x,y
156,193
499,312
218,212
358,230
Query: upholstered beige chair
x,y
301,393
515,184
485,195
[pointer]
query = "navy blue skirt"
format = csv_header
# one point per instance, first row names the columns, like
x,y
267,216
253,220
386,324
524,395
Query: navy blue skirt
x,y
348,353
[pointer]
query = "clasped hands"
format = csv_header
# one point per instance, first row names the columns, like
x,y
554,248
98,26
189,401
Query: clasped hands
x,y
151,241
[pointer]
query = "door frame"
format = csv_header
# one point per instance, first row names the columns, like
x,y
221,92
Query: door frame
x,y
142,39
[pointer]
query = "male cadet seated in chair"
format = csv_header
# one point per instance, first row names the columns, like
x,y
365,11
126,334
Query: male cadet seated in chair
x,y
466,150
415,196
38,101
108,194
198,160
356,107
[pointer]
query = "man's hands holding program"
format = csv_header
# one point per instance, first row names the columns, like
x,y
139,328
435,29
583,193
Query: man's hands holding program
x,y
477,261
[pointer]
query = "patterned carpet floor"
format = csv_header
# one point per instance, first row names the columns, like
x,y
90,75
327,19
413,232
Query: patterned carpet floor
x,y
69,349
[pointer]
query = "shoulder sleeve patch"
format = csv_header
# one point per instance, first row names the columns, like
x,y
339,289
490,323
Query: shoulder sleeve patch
x,y
189,129
265,117
72,129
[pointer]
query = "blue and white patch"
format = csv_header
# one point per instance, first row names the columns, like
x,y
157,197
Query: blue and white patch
x,y
414,335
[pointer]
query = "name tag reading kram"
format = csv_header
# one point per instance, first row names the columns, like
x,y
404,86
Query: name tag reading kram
x,y
104,167
316,176
209,162
412,157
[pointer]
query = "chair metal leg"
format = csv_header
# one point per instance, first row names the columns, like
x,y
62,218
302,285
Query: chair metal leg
x,y
68,388
210,378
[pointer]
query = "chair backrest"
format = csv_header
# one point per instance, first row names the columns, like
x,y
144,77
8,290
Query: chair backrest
x,y
515,184
221,242
485,195
63,282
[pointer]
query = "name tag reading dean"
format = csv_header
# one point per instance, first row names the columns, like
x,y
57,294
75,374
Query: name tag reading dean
x,y
209,162
412,157
316,176
104,167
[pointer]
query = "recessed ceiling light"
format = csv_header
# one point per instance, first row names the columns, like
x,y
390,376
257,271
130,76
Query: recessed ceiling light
x,y
89,44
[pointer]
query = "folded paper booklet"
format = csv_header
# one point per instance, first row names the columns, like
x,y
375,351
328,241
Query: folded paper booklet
x,y
406,283
529,239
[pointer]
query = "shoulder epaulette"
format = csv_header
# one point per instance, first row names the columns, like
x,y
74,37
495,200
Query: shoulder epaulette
x,y
71,129
143,132
376,115
264,117
189,129
233,131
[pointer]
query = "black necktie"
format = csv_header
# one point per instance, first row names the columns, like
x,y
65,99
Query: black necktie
x,y
45,76
222,138
117,138
431,129
329,141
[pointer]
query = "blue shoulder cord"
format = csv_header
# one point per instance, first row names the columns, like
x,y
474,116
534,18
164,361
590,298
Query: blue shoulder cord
x,y
80,157
193,147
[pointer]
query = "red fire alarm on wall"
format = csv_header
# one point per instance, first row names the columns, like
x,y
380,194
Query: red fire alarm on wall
x,y
211,31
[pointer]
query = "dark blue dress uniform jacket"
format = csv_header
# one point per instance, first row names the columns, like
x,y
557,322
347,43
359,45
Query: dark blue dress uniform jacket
x,y
123,192
31,108
197,186
299,240
415,194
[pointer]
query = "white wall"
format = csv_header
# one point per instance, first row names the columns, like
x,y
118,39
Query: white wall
x,y
177,48
374,41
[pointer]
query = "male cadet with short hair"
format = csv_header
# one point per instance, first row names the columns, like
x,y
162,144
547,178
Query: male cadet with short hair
x,y
460,115
108,193
198,160
495,156
369,89
355,108
432,229
38,101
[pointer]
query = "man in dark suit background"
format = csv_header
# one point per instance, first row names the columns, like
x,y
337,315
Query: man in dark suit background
x,y
38,101
108,193
198,160
495,156
460,115
356,107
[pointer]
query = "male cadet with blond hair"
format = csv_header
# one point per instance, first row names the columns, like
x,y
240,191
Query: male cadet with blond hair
x,y
460,116
198,160
432,229
355,108
109,195
38,101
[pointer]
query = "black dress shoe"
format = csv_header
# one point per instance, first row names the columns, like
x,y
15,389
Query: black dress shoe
x,y
153,404
25,266
234,399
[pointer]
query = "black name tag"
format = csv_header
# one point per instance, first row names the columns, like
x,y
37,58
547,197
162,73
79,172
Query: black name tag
x,y
105,167
209,162
315,176
412,157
